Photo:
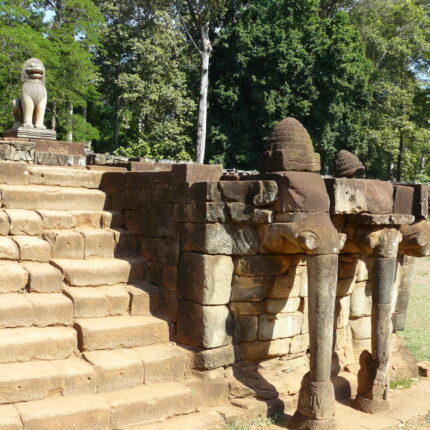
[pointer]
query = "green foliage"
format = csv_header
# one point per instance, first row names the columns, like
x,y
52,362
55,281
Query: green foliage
x,y
403,383
280,58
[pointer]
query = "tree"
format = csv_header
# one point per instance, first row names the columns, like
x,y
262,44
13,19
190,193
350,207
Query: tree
x,y
280,58
199,18
144,84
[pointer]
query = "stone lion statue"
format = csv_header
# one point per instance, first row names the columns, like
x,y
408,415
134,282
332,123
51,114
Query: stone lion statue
x,y
29,109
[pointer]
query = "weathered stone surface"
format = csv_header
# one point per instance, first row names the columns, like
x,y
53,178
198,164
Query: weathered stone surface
x,y
9,418
281,326
248,325
201,212
246,288
257,351
37,197
120,332
118,298
299,343
43,278
34,343
15,310
53,220
284,306
64,177
170,192
164,275
116,370
87,218
342,311
240,212
65,243
205,279
13,277
262,265
33,249
98,243
51,309
361,300
88,302
85,411
191,173
8,249
247,308
24,222
203,326
361,328
416,239
205,192
144,298
227,239
4,223
125,242
302,192
214,358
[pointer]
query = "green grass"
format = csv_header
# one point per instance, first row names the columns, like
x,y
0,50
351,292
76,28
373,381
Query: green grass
x,y
401,383
417,332
259,423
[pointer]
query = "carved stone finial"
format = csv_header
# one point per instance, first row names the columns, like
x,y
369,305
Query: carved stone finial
x,y
289,148
347,165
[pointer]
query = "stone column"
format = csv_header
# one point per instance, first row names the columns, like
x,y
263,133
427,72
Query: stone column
x,y
315,235
373,380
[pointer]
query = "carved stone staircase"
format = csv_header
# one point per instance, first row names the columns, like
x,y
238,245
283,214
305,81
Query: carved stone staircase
x,y
80,347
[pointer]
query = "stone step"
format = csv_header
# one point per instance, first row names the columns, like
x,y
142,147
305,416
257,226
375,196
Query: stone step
x,y
25,310
9,418
164,363
120,332
35,380
86,411
125,242
204,420
13,277
37,197
35,343
97,219
98,242
101,271
93,302
148,403
64,177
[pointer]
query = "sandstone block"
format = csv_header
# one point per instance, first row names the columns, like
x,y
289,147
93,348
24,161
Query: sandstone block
x,y
281,326
246,288
13,277
98,243
34,343
144,298
164,363
9,418
43,278
361,300
262,265
56,220
41,175
88,302
33,249
203,326
23,222
15,310
51,309
118,298
87,218
214,358
78,376
343,305
227,239
164,275
284,306
4,224
170,192
120,332
8,249
200,212
87,411
139,405
36,197
345,287
257,351
168,302
247,308
116,370
205,279
125,242
248,325
95,272
299,343
23,382
291,286
205,192
361,328
65,243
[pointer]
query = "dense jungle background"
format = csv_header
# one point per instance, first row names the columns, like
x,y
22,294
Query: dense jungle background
x,y
126,75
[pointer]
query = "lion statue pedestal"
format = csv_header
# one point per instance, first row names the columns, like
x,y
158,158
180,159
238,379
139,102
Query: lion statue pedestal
x,y
29,109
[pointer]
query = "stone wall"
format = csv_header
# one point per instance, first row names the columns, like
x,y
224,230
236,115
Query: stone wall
x,y
229,297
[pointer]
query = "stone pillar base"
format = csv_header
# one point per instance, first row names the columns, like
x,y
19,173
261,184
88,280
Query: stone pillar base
x,y
370,406
302,422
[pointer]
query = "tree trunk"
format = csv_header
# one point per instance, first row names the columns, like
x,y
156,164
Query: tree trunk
x,y
54,117
69,137
116,122
422,164
203,102
400,158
